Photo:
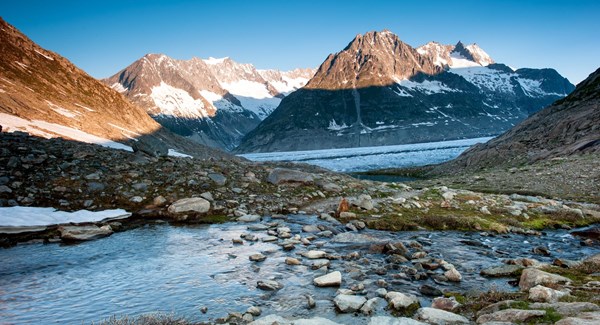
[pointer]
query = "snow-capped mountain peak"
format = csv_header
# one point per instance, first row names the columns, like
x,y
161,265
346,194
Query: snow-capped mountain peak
x,y
456,56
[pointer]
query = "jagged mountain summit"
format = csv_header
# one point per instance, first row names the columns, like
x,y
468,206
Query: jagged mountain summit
x,y
570,126
213,101
381,91
44,94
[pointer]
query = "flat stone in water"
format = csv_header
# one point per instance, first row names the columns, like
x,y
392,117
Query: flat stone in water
x,y
333,279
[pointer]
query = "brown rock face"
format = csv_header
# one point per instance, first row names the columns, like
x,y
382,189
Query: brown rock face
x,y
37,84
372,59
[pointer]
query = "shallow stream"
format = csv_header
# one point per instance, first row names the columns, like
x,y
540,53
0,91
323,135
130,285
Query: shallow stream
x,y
180,269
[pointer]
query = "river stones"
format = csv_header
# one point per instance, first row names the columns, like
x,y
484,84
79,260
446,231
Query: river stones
x,y
349,303
453,275
292,261
268,239
567,308
193,204
440,317
502,271
363,201
387,320
249,218
83,233
581,319
373,305
401,302
443,303
258,257
540,293
269,285
314,254
532,277
430,290
333,279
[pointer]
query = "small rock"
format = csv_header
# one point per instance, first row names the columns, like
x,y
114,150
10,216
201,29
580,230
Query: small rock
x,y
502,271
443,303
430,290
388,320
254,311
258,257
292,261
159,200
282,175
349,303
402,302
269,285
453,275
82,233
219,179
249,218
333,279
310,302
314,254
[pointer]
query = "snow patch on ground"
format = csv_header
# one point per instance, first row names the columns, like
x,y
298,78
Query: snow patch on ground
x,y
44,55
62,111
333,126
11,123
212,60
427,86
85,107
18,217
459,61
247,88
174,153
486,78
118,87
177,102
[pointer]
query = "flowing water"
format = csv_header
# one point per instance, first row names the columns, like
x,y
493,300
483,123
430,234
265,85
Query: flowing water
x,y
165,268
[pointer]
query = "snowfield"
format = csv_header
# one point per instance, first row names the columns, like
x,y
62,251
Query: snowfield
x,y
11,123
14,219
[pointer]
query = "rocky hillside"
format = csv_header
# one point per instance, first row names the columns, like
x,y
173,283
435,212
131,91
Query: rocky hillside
x,y
213,101
44,94
381,91
570,126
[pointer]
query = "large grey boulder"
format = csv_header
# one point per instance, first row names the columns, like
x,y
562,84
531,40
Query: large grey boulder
x,y
193,204
387,320
511,315
506,270
567,308
283,175
151,146
589,318
532,277
540,293
82,233
439,317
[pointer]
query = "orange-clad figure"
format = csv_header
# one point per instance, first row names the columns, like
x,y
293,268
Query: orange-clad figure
x,y
342,207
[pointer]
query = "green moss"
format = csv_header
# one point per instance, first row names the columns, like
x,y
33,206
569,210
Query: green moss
x,y
219,218
459,297
551,317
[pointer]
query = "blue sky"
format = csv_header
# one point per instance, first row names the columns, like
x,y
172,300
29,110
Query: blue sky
x,y
103,37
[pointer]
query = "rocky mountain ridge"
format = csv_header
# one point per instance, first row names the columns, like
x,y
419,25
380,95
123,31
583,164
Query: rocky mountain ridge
x,y
212,101
570,126
381,91
44,94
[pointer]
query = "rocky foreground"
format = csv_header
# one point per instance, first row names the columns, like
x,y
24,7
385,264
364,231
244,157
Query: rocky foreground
x,y
71,176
